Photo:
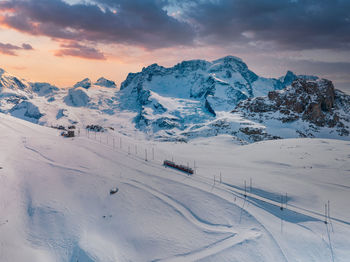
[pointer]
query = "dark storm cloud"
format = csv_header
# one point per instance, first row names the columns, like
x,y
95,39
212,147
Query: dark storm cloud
x,y
291,24
142,23
78,50
282,24
9,49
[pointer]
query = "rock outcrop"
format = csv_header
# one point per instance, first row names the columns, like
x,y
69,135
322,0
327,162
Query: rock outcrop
x,y
313,101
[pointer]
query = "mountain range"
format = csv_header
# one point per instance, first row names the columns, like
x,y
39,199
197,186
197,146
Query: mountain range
x,y
195,98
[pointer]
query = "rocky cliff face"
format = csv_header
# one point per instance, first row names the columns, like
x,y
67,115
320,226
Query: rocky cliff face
x,y
315,102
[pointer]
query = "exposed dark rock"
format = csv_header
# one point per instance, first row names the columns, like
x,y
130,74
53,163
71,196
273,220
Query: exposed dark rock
x,y
316,102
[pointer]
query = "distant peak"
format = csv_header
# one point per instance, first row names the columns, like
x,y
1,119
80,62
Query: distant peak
x,y
227,59
105,82
85,83
289,78
152,66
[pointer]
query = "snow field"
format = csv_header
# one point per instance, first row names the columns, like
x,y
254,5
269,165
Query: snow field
x,y
56,199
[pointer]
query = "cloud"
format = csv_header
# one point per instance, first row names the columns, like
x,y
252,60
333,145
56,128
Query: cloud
x,y
285,24
9,49
155,24
27,47
78,50
141,22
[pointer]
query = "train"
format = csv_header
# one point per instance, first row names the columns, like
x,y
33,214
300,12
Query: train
x,y
182,168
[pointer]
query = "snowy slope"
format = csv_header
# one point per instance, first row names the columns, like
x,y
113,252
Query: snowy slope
x,y
56,204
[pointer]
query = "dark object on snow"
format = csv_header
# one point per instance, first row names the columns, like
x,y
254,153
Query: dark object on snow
x,y
113,191
59,127
95,128
71,127
69,133
183,168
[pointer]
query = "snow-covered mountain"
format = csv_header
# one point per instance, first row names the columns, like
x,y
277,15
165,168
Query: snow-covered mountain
x,y
180,100
46,104
192,99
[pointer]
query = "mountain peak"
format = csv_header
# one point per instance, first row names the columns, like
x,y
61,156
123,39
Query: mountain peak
x,y
104,82
228,59
85,83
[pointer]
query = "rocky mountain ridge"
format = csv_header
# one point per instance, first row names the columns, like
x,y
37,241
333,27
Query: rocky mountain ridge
x,y
195,98
315,102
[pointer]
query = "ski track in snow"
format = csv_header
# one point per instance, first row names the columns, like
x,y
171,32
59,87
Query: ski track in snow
x,y
51,162
235,238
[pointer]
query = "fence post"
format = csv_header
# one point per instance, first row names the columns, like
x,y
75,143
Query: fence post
x,y
250,185
281,202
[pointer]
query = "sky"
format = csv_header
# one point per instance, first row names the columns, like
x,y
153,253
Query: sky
x,y
64,41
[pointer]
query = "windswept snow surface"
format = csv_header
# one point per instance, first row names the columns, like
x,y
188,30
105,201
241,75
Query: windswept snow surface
x,y
56,205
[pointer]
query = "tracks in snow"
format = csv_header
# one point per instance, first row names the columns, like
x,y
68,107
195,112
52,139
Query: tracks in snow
x,y
235,237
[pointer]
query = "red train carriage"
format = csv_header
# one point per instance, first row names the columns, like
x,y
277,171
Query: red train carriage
x,y
182,168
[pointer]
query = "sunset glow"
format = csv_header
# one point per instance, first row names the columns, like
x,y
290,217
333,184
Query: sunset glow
x,y
71,40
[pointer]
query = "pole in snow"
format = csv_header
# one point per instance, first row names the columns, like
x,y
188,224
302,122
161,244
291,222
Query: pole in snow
x,y
128,150
220,178
250,185
325,213
329,216
135,149
245,188
152,153
281,202
146,155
